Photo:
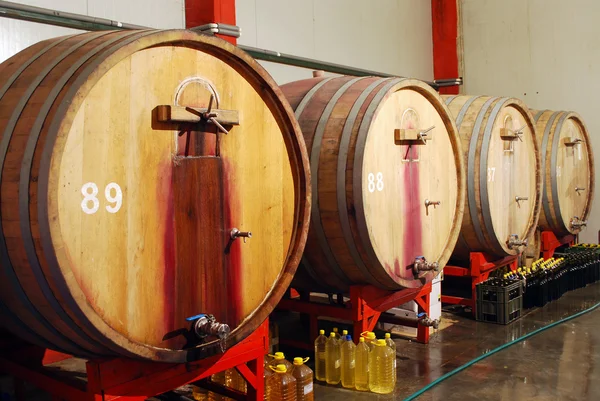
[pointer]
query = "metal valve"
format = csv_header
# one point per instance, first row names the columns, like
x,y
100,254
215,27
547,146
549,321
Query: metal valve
x,y
423,136
432,203
206,325
235,234
521,198
514,241
577,189
425,320
576,223
421,264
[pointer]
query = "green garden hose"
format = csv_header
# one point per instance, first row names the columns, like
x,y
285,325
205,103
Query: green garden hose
x,y
495,350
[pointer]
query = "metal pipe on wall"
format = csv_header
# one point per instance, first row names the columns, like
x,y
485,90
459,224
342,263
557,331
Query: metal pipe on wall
x,y
83,22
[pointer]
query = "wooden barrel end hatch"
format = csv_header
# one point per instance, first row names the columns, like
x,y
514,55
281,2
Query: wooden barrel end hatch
x,y
568,171
503,174
388,182
148,177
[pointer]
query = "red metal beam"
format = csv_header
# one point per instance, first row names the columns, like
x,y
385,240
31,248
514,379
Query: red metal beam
x,y
444,23
200,12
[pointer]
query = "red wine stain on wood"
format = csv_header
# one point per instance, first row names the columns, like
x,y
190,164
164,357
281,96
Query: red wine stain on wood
x,y
412,238
233,261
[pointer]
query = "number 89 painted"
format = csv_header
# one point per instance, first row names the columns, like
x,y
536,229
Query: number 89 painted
x,y
90,192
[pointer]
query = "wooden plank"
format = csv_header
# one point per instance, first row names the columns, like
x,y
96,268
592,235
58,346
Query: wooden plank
x,y
186,114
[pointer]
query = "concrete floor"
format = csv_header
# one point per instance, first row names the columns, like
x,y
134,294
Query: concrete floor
x,y
560,363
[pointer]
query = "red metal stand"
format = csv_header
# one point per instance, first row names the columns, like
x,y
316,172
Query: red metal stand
x,y
481,265
550,243
365,306
130,380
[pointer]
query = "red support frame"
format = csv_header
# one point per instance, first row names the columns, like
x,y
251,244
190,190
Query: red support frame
x,y
200,12
550,242
366,304
131,380
480,267
444,24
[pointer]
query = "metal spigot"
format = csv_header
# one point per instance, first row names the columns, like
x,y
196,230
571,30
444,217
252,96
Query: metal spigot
x,y
235,234
421,265
432,203
576,223
425,320
206,325
521,198
577,189
514,241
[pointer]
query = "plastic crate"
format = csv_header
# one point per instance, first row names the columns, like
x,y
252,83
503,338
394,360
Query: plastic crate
x,y
493,293
501,305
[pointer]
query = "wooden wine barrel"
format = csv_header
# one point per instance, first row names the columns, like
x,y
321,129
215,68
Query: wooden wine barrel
x,y
568,171
379,150
503,174
120,194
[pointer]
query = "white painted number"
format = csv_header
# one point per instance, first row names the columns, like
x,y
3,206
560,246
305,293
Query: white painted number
x,y
92,197
117,199
380,181
89,197
491,173
372,185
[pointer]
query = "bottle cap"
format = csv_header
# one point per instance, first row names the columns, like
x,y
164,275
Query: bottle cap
x,y
279,355
345,332
280,369
332,334
335,329
371,335
388,335
348,337
361,340
299,361
321,332
381,343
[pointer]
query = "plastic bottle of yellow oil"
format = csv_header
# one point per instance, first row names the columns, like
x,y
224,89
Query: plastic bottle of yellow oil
x,y
277,359
348,362
218,378
281,386
332,360
381,369
304,380
361,372
344,334
337,333
390,343
234,380
199,394
320,356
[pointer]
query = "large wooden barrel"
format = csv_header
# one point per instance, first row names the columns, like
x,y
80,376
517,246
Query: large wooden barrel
x,y
568,171
120,194
380,151
503,174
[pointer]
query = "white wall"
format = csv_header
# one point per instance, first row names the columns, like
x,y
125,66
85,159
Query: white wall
x,y
546,52
17,35
392,36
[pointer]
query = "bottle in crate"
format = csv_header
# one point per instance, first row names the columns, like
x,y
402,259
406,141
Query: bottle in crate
x,y
361,372
304,380
281,386
381,370
348,362
332,360
320,356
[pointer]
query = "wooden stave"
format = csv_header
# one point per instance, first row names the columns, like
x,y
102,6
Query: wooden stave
x,y
486,240
294,91
551,218
264,85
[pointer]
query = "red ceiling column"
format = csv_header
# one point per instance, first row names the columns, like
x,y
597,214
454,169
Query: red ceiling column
x,y
200,12
444,15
